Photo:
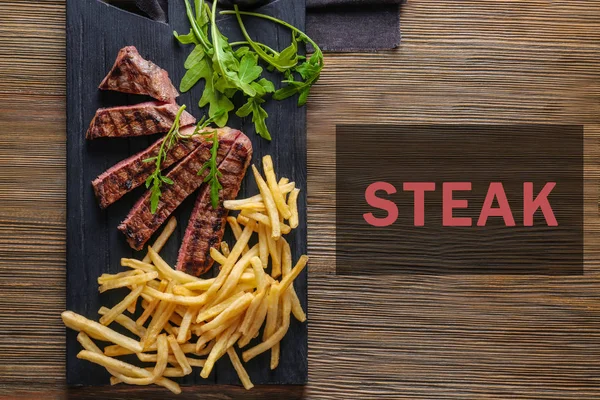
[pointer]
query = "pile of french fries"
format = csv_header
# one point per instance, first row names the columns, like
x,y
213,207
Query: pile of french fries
x,y
190,322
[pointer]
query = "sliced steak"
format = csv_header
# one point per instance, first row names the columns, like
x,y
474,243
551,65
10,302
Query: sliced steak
x,y
132,172
141,119
131,73
206,226
140,223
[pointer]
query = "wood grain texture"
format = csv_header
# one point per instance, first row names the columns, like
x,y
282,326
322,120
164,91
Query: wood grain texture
x,y
413,337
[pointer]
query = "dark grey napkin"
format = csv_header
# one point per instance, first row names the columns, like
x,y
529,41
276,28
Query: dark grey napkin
x,y
336,25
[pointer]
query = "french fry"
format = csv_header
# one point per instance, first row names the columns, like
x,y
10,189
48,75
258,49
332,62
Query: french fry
x,y
272,313
176,299
204,284
218,257
275,257
237,231
218,308
87,343
283,181
125,322
256,206
218,350
282,207
186,323
239,368
151,306
275,337
269,204
251,312
166,271
263,248
259,318
259,272
125,370
121,306
137,265
158,323
234,276
225,248
233,310
138,279
287,280
231,260
161,240
207,336
109,277
99,331
293,205
179,355
286,267
264,220
285,188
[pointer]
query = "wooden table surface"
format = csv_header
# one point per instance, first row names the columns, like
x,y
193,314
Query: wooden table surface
x,y
410,337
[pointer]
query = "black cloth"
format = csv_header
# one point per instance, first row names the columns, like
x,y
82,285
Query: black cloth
x,y
336,25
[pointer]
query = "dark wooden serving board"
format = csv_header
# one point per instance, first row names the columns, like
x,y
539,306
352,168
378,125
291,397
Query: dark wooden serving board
x,y
95,33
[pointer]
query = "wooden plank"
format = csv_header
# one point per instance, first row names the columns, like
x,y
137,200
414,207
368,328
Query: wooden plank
x,y
408,337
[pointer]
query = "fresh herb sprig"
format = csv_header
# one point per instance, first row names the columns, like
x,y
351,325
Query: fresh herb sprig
x,y
155,181
213,169
309,70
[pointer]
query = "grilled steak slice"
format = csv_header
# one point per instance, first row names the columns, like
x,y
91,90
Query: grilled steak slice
x,y
140,224
131,73
141,119
130,173
206,226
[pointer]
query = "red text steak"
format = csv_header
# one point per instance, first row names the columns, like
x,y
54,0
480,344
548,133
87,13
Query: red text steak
x,y
131,73
206,226
140,223
141,119
130,173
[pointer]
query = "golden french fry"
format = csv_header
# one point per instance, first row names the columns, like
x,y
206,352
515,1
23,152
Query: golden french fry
x,y
257,206
282,181
233,310
259,318
158,323
204,284
225,248
239,368
286,267
179,355
287,280
218,350
218,308
218,257
264,220
138,279
137,265
125,370
125,322
293,205
161,240
282,207
263,248
213,333
168,272
176,299
231,260
259,272
275,337
237,231
275,257
151,306
87,343
121,306
251,312
272,313
186,323
234,276
99,331
269,204
283,187
109,277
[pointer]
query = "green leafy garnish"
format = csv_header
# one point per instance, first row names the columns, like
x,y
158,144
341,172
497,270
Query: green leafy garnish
x,y
155,181
310,70
213,172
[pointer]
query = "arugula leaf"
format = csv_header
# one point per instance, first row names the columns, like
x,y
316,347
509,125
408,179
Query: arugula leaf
x,y
249,69
193,75
195,56
259,115
186,39
213,172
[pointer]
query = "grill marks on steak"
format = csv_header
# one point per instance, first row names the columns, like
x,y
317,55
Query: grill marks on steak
x,y
141,119
206,225
132,172
131,73
140,223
